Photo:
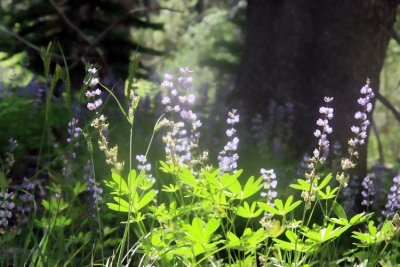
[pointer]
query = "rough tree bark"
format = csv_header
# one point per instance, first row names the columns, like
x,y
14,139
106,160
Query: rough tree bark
x,y
301,51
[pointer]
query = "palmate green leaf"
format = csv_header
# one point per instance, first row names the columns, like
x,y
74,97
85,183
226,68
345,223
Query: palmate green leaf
x,y
146,199
251,187
246,211
329,194
132,181
301,185
170,188
268,208
116,207
326,233
325,181
228,179
171,169
361,217
371,228
117,184
198,233
186,176
236,189
233,240
295,243
280,208
339,211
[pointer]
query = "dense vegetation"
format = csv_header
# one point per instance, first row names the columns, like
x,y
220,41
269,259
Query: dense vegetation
x,y
118,159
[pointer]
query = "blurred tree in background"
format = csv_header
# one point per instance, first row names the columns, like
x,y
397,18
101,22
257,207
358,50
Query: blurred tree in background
x,y
87,31
301,51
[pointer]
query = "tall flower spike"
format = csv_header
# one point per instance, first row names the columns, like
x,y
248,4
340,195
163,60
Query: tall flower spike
x,y
322,133
393,203
93,188
227,158
270,184
360,132
368,191
6,205
181,140
100,123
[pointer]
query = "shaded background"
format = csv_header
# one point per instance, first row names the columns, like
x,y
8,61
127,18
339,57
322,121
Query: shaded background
x,y
273,60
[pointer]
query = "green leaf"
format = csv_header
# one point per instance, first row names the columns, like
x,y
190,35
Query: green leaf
x,y
211,226
170,188
339,211
236,189
268,208
149,196
279,204
116,207
246,211
122,187
251,187
186,176
227,179
325,181
301,185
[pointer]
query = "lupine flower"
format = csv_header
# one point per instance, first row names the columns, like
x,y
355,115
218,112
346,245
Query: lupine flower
x,y
182,138
368,191
393,202
270,184
6,206
93,188
74,132
228,157
93,80
360,130
100,122
322,135
337,154
143,165
311,174
269,193
25,201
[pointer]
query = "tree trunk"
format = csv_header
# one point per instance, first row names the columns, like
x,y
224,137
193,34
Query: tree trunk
x,y
300,51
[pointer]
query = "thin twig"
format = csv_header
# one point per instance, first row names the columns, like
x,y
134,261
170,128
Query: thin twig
x,y
125,16
24,41
69,23
388,105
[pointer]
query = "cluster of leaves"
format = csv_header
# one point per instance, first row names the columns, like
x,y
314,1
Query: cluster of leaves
x,y
200,221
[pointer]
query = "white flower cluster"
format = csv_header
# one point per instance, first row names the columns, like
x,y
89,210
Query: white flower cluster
x,y
227,158
311,175
93,80
143,165
360,130
183,135
322,134
270,184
